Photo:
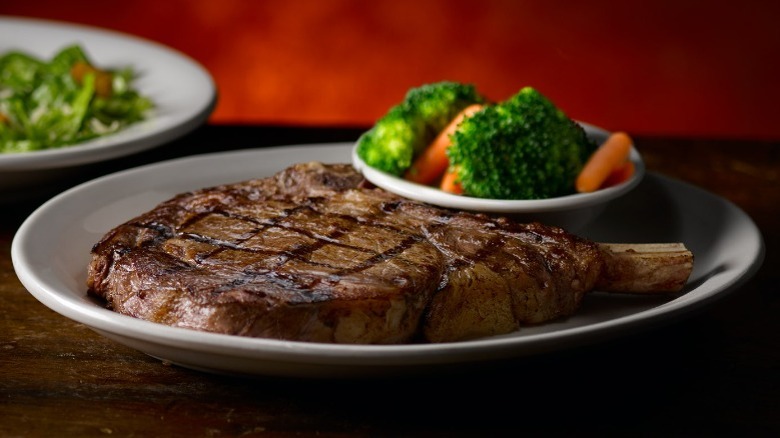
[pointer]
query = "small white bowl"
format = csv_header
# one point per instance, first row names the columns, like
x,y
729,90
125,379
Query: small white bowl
x,y
571,211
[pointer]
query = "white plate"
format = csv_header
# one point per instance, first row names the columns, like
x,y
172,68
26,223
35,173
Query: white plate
x,y
183,92
50,254
573,211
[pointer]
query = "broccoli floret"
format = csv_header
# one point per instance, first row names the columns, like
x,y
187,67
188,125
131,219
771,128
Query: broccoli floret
x,y
407,128
522,148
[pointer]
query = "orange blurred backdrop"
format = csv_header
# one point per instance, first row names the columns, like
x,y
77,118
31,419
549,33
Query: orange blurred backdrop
x,y
688,68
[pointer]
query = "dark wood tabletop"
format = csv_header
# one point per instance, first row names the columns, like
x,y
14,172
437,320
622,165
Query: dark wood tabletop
x,y
715,372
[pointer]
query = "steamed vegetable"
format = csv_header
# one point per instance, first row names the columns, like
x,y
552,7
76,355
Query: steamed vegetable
x,y
610,157
449,182
410,126
521,148
432,162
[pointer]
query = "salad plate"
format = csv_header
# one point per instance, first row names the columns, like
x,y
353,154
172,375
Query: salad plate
x,y
182,91
51,251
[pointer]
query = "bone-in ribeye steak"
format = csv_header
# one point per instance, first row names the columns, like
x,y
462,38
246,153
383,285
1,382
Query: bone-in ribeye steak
x,y
310,254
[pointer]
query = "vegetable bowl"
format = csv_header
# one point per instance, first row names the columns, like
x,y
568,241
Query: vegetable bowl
x,y
572,212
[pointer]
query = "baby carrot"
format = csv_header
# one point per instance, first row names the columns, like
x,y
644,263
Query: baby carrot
x,y
617,176
433,161
608,157
449,182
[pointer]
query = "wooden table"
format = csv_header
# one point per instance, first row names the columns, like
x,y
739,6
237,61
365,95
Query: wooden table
x,y
715,372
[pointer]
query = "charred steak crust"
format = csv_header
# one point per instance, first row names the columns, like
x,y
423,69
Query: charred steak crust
x,y
309,254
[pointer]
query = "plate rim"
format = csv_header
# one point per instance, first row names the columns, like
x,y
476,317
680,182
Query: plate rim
x,y
363,357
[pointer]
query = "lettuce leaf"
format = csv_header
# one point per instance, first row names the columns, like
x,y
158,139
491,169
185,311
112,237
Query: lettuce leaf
x,y
43,106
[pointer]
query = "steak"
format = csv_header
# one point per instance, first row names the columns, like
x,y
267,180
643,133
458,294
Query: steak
x,y
315,254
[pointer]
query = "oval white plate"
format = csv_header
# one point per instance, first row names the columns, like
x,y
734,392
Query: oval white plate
x,y
571,211
182,90
50,254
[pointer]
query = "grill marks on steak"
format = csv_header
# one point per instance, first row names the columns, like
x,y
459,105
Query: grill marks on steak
x,y
311,255
264,260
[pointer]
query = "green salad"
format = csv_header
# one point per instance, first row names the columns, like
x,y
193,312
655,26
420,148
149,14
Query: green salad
x,y
63,101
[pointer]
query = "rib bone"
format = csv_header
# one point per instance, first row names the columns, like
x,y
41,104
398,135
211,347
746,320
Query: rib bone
x,y
645,268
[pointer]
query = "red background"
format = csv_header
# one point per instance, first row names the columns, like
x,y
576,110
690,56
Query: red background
x,y
687,68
